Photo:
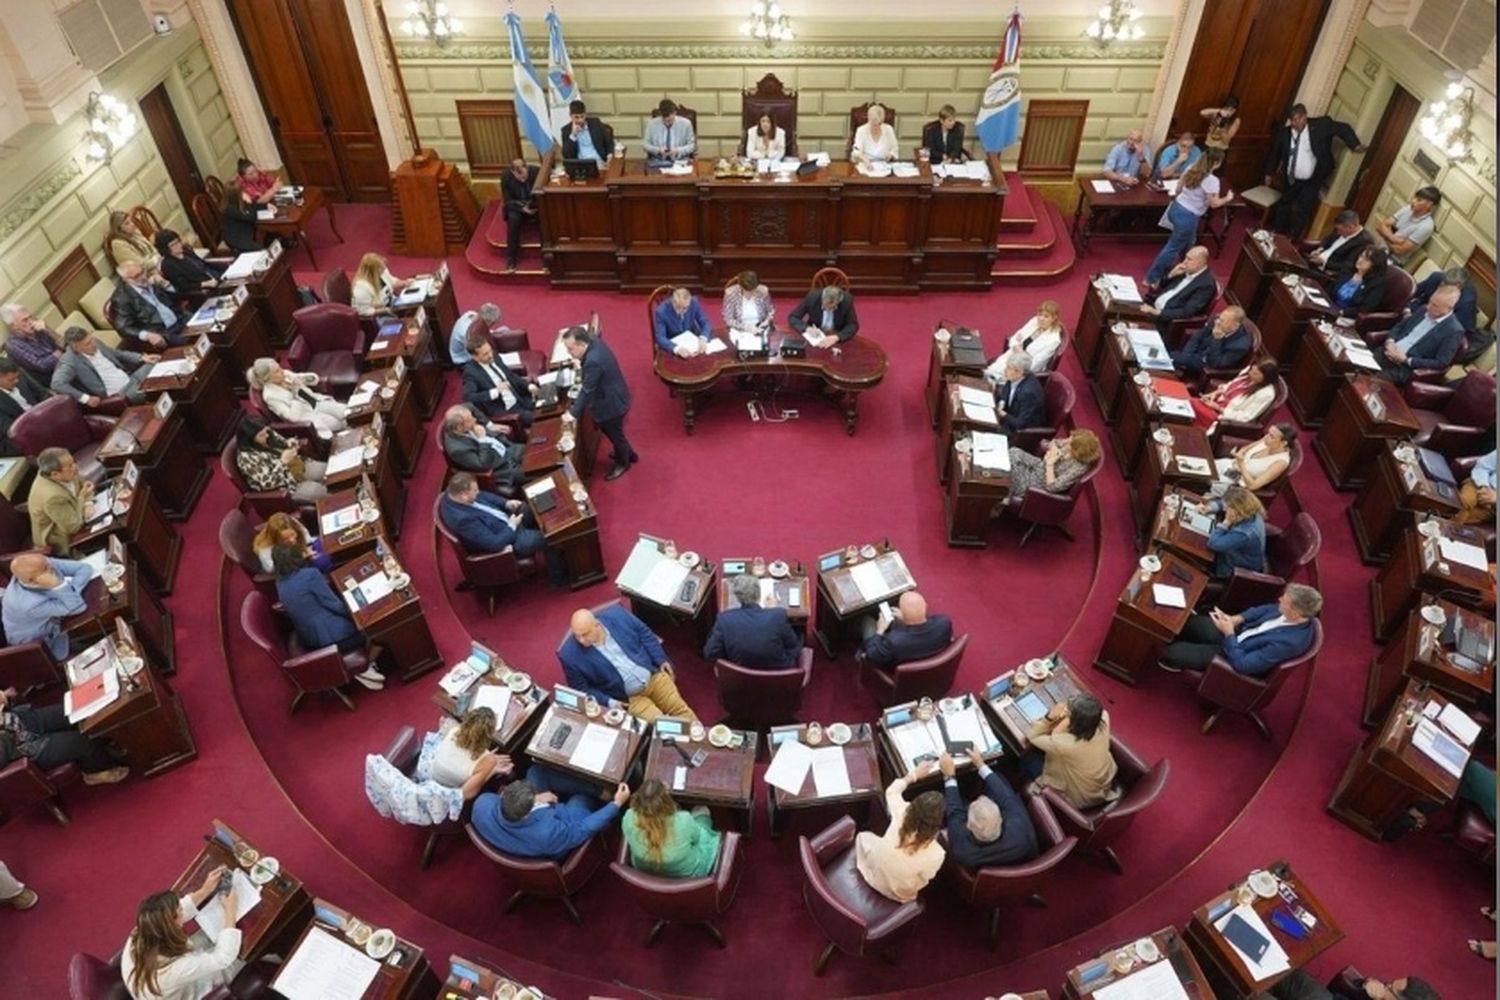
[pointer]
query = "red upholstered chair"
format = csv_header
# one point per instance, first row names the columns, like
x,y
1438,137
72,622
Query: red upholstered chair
x,y
1473,831
698,901
329,342
1249,430
318,671
486,480
509,341
1268,493
1041,509
1456,420
59,422
1399,288
1227,691
31,670
402,755
90,978
1059,397
1001,888
486,572
1288,551
1097,828
559,880
760,699
15,535
263,502
24,786
336,287
929,678
855,918
237,542
829,276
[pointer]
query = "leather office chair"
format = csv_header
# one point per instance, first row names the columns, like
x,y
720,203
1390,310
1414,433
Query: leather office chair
x,y
15,533
506,340
1473,832
1001,888
1400,286
31,670
1267,493
658,295
559,880
855,918
486,480
24,786
698,901
1058,396
1455,420
826,276
769,96
402,754
683,111
1288,551
336,287
486,572
1250,430
1462,468
1040,509
759,699
928,678
90,978
317,671
1227,691
1098,827
263,502
330,341
315,446
59,422
237,542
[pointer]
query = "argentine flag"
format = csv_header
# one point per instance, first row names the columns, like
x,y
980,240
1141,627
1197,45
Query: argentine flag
x,y
999,121
562,85
531,99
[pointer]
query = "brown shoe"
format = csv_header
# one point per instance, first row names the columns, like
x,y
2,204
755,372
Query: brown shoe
x,y
23,900
109,777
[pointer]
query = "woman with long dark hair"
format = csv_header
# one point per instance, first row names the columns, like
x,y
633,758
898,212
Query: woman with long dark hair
x,y
899,863
159,963
665,840
271,463
1223,123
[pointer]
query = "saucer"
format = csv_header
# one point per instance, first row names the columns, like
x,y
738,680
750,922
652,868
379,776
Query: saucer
x,y
387,392
1147,950
1290,280
614,716
1434,615
839,733
1038,670
1262,883
1150,563
1428,529
689,559
264,870
401,581
381,944
942,336
720,735
579,494
1161,436
370,516
1142,378
519,681
950,705
778,569
868,552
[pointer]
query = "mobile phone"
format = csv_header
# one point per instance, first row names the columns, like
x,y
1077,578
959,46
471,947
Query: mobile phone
x,y
226,880
559,737
698,758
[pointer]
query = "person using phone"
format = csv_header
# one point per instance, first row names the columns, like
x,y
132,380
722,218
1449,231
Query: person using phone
x,y
159,962
994,829
912,634
1254,642
900,862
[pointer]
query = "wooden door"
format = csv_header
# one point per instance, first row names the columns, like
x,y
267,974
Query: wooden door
x,y
1390,135
171,145
348,114
1258,51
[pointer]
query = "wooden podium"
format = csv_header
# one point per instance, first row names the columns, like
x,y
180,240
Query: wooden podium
x,y
433,211
1141,626
205,396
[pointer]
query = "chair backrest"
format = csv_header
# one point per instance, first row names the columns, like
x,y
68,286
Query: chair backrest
x,y
860,114
658,295
90,978
1257,342
454,543
328,326
1400,286
145,220
1283,671
596,609
1473,402
769,95
15,528
1060,397
28,667
1293,547
997,884
403,750
843,925
53,423
214,188
205,212
336,287
259,623
760,697
1146,790
681,899
932,677
826,276
1040,507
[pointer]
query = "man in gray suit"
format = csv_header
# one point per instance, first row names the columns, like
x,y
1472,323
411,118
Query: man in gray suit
x,y
90,372
472,447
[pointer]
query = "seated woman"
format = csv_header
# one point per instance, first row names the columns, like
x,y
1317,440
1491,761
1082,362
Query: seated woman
x,y
899,863
282,528
668,841
1261,462
1241,399
160,963
1070,752
188,273
747,303
127,245
374,286
238,218
1364,291
767,140
1063,462
874,141
1238,540
463,758
1040,337
319,616
290,396
272,464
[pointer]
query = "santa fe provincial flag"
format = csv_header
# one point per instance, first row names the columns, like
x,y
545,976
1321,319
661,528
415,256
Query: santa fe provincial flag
x,y
531,99
999,121
562,85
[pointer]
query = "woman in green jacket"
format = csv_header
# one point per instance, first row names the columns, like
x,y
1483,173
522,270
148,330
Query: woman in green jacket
x,y
665,840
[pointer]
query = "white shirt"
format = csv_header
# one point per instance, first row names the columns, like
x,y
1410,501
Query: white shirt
x,y
1042,348
757,147
1170,293
196,974
451,763
1278,622
1333,247
502,390
20,399
109,373
870,148
1304,163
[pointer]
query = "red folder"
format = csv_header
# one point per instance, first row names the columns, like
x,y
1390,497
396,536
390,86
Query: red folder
x,y
1169,387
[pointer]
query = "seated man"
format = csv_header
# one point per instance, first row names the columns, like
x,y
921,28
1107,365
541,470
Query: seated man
x,y
526,820
58,501
1254,642
1426,339
469,445
908,635
1188,290
1224,343
1019,396
681,313
1174,159
995,829
28,342
1466,308
1477,494
1302,986
751,635
40,594
516,188
48,739
586,138
143,309
831,310
19,392
493,389
487,522
90,372
618,659
1129,162
1411,226
1335,256
669,137
475,321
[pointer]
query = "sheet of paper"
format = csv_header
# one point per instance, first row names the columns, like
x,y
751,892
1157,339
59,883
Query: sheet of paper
x,y
105,694
1457,722
767,589
687,339
869,581
913,740
1171,186
166,369
714,346
1102,187
244,265
789,766
1147,345
246,895
830,772
338,520
343,461
638,565
496,698
459,678
1463,553
96,560
361,398
991,451
664,581
560,353
90,663
1155,982
594,747
1275,959
1122,287
905,170
325,968
1194,466
1169,596
981,413
964,725
979,397
1440,747
1172,406
375,587
1361,357
266,214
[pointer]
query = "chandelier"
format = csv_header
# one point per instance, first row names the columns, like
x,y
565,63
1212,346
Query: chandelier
x,y
430,19
110,125
1446,123
768,22
1116,21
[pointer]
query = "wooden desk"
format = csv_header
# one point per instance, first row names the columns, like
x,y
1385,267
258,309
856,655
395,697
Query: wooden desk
x,y
1320,370
1395,490
15,472
1117,364
724,782
1416,566
380,470
1367,411
1139,410
897,718
395,621
468,980
695,615
1098,313
415,344
143,529
164,453
1001,693
441,307
630,742
1419,651
970,499
1226,969
1170,531
292,220
273,291
523,712
147,724
963,354
394,398
542,453
1388,775
953,421
1160,470
205,398
142,610
238,340
1257,266
782,591
840,373
357,539
403,975
1088,978
864,782
285,907
841,605
571,527
1284,317
1140,626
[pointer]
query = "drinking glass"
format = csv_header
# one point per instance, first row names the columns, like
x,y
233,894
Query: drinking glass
x,y
814,734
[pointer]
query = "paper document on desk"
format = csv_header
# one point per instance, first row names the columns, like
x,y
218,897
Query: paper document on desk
x,y
714,346
1102,187
1168,596
905,170
981,413
870,581
96,560
1154,982
496,698
266,214
325,968
560,353
360,398
789,766
747,340
343,461
638,565
1147,346
1463,553
991,451
830,772
92,696
1457,722
537,487
338,520
1122,287
594,747
374,587
246,895
244,265
915,740
963,726
170,369
1440,747
1273,962
1197,521
664,580
460,677
687,340
415,293
979,397
1174,407
1194,466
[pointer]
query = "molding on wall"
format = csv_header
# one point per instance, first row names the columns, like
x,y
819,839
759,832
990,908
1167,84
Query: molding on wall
x,y
1174,64
36,198
235,82
499,51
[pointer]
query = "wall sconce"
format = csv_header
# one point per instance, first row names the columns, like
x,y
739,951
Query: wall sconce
x,y
1116,21
110,125
768,22
430,19
1446,123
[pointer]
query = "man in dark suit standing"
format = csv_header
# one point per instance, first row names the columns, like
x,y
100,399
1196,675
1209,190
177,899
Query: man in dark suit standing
x,y
995,829
1303,150
586,138
143,310
1426,339
910,635
751,635
1335,256
831,311
515,188
1188,290
602,393
19,392
492,388
1020,398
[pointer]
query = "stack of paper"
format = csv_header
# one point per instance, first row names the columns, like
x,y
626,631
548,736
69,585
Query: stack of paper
x,y
244,265
1440,747
991,451
905,170
594,747
325,968
1121,286
170,369
715,345
496,698
1155,982
1463,553
916,739
830,771
460,677
789,766
1457,722
343,461
338,520
1148,348
92,696
870,582
246,896
1168,596
1102,187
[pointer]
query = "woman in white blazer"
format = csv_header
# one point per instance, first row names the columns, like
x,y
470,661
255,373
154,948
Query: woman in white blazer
x,y
1040,337
874,140
290,396
767,140
374,286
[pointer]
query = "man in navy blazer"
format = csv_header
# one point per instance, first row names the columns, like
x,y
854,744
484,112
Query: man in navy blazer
x,y
616,658
750,635
1425,339
487,522
911,635
1224,343
492,388
1019,395
680,313
528,821
1255,642
994,829
603,393
1188,290
1467,306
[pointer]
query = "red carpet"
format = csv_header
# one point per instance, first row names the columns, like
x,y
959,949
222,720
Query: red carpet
x,y
791,490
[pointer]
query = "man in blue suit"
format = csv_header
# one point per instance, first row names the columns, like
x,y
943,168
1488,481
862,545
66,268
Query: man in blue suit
x,y
487,522
1425,339
994,829
1467,306
750,635
617,659
527,821
603,393
1255,642
1224,343
1019,397
681,313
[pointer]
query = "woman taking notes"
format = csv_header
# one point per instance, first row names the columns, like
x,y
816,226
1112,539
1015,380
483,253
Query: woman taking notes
x,y
899,863
1198,192
874,140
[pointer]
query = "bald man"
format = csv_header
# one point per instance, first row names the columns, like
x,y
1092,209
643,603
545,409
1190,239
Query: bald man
x,y
40,594
1188,290
620,661
911,634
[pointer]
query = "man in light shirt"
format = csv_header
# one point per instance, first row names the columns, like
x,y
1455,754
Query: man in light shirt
x,y
1302,150
90,372
615,657
1424,340
1255,642
1129,162
486,316
1411,226
1174,160
669,136
586,138
41,593
1477,494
